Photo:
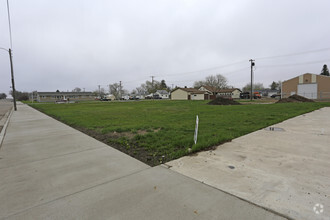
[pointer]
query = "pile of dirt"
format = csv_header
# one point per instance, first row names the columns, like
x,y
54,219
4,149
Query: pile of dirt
x,y
223,101
294,98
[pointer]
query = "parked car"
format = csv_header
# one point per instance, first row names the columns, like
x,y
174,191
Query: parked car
x,y
105,99
133,98
275,95
244,95
156,96
256,95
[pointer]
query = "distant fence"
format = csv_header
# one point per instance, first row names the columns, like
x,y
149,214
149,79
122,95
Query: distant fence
x,y
324,96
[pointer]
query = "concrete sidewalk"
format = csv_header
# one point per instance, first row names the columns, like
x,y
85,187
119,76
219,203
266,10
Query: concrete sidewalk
x,y
51,171
287,171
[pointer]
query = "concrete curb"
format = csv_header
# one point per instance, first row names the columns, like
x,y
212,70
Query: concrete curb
x,y
5,122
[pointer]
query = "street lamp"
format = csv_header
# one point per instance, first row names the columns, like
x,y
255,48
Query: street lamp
x,y
12,76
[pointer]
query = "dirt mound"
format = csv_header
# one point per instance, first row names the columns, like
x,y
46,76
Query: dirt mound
x,y
295,98
223,101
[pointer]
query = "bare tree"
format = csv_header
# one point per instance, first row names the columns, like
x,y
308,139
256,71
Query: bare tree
x,y
218,81
100,93
77,89
116,90
198,84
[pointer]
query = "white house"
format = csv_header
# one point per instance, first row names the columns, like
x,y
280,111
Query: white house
x,y
162,94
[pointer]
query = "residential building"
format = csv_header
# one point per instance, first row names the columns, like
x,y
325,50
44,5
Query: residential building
x,y
214,92
162,94
61,96
188,94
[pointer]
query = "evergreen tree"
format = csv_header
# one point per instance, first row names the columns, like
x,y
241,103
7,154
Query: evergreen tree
x,y
163,85
274,85
325,70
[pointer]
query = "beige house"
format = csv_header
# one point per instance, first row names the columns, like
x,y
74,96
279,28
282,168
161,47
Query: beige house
x,y
309,85
213,92
61,96
188,94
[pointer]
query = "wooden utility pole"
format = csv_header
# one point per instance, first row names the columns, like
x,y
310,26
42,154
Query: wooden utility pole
x,y
152,86
12,78
152,81
120,90
252,65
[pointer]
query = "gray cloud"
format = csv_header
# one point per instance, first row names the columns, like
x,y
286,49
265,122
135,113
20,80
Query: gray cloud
x,y
65,44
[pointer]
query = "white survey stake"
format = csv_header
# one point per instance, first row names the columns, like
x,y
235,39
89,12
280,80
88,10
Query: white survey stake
x,y
196,129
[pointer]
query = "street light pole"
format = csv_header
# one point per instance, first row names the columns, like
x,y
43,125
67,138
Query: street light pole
x,y
12,76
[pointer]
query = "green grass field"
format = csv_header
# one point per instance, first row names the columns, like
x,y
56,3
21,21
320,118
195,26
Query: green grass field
x,y
148,130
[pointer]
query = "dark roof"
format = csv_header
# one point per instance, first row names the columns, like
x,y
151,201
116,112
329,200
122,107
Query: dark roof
x,y
228,90
191,90
214,89
163,92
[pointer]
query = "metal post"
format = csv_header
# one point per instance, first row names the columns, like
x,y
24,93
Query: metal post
x,y
12,79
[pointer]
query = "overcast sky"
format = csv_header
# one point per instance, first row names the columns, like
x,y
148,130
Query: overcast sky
x,y
66,44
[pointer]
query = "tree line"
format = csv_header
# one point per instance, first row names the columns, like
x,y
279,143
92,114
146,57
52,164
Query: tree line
x,y
217,81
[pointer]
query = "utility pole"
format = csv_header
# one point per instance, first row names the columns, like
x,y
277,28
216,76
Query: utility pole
x,y
152,82
152,86
119,90
84,89
11,57
252,65
12,78
109,89
99,91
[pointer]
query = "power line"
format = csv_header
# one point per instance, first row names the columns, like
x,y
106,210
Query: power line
x,y
293,54
244,61
295,64
208,69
